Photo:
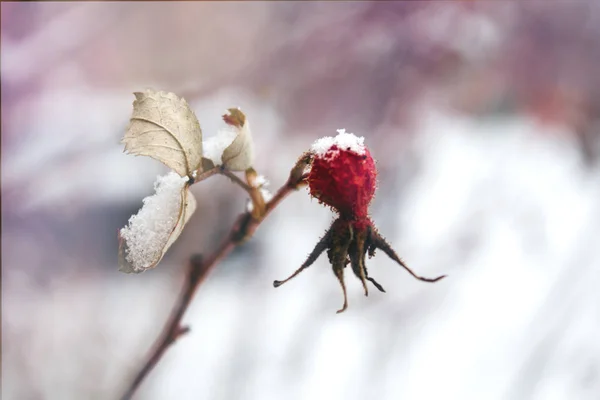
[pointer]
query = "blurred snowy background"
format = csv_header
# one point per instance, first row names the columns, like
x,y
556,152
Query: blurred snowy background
x,y
484,119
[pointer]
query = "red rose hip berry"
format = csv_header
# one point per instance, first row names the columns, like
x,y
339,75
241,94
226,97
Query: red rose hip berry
x,y
343,175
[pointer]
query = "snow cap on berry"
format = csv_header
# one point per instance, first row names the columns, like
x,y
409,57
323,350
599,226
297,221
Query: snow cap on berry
x,y
343,140
343,175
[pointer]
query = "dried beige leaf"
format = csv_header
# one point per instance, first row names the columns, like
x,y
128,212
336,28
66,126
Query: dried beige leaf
x,y
164,127
239,155
188,206
150,233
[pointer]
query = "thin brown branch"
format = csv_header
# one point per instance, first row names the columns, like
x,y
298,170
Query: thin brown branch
x,y
222,171
235,179
205,175
199,268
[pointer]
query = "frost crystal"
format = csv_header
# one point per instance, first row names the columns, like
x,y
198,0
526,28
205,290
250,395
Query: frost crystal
x,y
267,196
261,181
148,231
343,141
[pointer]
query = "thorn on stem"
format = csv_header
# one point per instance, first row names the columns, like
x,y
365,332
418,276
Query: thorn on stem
x,y
180,331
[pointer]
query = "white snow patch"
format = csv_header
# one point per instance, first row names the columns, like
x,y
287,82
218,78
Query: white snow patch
x,y
262,181
214,147
148,231
343,140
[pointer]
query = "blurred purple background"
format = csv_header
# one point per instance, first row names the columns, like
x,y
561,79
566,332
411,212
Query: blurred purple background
x,y
484,120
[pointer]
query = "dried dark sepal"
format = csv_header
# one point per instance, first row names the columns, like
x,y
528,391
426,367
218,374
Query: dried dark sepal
x,y
298,173
345,244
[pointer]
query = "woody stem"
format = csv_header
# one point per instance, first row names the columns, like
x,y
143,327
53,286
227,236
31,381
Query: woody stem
x,y
199,268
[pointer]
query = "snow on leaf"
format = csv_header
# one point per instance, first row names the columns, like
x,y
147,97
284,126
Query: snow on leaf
x,y
150,233
215,146
164,127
